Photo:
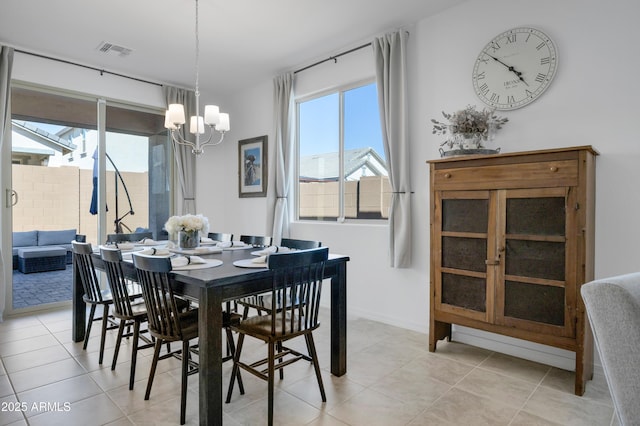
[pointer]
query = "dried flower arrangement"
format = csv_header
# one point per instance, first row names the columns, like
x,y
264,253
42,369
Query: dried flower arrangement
x,y
468,123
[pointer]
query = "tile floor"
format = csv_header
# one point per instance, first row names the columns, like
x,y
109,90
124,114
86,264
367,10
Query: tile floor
x,y
392,379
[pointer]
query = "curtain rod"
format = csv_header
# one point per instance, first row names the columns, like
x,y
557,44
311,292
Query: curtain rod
x,y
332,58
101,71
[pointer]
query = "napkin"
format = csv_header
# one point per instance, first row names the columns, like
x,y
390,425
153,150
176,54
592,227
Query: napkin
x,y
227,244
148,242
206,240
179,261
155,252
260,259
124,245
272,249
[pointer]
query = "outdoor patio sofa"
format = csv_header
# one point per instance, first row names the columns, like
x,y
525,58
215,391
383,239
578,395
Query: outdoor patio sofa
x,y
37,251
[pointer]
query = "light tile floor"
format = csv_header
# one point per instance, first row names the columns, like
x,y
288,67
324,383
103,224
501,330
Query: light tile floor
x,y
392,379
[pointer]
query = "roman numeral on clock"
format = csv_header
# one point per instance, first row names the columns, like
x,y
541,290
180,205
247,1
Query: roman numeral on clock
x,y
484,89
540,77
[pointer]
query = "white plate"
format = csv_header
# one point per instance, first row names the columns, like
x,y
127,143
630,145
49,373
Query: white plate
x,y
211,263
249,263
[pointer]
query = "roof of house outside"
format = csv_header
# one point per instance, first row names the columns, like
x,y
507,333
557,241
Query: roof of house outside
x,y
43,137
325,167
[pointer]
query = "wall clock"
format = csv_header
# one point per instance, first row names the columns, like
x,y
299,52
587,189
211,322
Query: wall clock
x,y
515,68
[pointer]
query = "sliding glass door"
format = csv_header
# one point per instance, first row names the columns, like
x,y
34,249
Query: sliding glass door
x,y
59,187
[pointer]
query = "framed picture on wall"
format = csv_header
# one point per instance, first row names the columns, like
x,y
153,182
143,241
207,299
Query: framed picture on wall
x,y
252,166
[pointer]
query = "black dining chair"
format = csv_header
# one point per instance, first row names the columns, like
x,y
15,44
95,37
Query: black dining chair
x,y
299,244
220,237
126,307
256,241
94,295
166,322
262,302
297,276
169,323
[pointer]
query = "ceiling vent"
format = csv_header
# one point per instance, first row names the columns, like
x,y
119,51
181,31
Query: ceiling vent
x,y
114,49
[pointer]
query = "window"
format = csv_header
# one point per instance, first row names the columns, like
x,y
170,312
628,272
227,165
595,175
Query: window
x,y
342,170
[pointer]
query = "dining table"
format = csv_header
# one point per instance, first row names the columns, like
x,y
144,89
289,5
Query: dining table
x,y
211,288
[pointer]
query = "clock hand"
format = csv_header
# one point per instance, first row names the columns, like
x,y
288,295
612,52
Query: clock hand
x,y
509,67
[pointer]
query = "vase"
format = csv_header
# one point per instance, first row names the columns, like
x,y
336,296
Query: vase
x,y
469,140
466,144
188,239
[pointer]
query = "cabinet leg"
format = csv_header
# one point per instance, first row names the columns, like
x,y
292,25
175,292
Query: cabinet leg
x,y
438,331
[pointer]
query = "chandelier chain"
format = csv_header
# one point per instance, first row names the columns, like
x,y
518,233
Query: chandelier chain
x,y
197,53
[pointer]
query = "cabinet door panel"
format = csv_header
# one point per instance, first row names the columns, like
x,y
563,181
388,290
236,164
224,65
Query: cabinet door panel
x,y
464,292
535,302
536,216
535,259
465,215
464,253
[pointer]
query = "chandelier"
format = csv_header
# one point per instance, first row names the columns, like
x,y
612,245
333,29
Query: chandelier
x,y
213,118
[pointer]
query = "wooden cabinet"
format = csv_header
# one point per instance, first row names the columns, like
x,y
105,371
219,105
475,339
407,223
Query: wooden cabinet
x,y
512,241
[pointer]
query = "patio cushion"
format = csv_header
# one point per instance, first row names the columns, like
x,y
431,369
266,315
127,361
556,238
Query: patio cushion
x,y
25,239
49,238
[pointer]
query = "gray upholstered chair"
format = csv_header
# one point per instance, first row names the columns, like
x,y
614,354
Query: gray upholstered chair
x,y
613,308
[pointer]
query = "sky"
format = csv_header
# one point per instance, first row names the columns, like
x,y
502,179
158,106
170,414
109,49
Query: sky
x,y
319,122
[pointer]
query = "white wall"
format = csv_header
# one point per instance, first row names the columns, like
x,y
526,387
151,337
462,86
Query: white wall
x,y
62,76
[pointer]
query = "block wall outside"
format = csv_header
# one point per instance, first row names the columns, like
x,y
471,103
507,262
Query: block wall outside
x,y
375,195
320,199
56,198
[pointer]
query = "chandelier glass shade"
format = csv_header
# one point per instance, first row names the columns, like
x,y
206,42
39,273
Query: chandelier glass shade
x,y
213,119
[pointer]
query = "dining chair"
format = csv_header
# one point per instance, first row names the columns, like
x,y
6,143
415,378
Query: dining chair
x,y
299,244
613,308
220,237
168,323
94,295
297,275
262,302
126,307
133,237
256,241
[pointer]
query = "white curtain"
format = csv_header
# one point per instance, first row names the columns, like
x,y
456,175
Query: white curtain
x,y
185,159
283,108
6,63
391,77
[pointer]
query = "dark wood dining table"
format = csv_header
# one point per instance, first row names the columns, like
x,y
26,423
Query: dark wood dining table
x,y
211,287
